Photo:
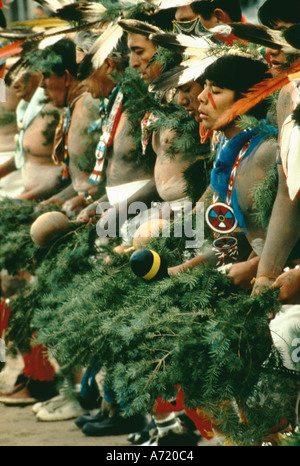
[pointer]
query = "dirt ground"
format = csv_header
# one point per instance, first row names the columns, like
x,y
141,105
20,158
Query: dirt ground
x,y
20,427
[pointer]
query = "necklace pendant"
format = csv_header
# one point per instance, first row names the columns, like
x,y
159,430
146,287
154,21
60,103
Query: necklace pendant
x,y
220,218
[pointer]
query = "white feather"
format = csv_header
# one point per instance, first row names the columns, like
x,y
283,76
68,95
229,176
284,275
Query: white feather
x,y
221,29
49,41
189,45
70,9
257,34
103,46
188,71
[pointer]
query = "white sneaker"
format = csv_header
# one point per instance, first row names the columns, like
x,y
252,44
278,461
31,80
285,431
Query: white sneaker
x,y
46,404
60,411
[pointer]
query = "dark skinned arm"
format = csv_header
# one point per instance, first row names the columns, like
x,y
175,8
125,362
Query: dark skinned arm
x,y
283,233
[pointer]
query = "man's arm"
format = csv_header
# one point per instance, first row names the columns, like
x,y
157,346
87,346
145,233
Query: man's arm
x,y
7,167
283,233
60,198
288,285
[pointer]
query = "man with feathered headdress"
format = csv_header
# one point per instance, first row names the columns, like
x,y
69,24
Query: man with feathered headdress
x,y
73,145
33,149
279,245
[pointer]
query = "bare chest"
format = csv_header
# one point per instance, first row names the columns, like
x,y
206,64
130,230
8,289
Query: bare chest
x,y
169,168
122,166
36,140
251,175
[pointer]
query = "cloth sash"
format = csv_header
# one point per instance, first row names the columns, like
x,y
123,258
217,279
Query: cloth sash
x,y
26,112
227,152
290,155
117,194
107,135
60,142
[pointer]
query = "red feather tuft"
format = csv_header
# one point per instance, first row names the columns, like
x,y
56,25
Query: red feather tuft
x,y
11,49
2,70
255,95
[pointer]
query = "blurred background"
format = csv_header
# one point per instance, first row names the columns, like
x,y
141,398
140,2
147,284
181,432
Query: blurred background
x,y
20,10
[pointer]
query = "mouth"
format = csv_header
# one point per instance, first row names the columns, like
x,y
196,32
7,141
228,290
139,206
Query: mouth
x,y
202,115
276,64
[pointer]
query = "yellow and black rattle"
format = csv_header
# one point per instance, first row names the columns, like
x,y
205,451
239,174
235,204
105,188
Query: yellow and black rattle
x,y
148,264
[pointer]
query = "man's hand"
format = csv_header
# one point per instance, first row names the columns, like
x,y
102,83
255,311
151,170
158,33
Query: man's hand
x,y
88,215
289,285
173,271
74,206
243,273
108,224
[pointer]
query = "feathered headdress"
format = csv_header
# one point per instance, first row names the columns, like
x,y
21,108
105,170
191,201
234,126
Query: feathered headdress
x,y
257,94
100,50
54,5
182,43
292,36
200,53
287,41
257,34
165,4
26,47
190,69
139,27
86,12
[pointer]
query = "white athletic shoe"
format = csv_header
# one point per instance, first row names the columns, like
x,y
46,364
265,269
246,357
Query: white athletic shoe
x,y
61,410
46,404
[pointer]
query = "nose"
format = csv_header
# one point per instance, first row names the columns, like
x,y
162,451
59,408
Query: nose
x,y
202,97
134,60
43,82
183,99
272,52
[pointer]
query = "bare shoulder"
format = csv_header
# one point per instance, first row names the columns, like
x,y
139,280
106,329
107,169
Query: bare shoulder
x,y
266,153
87,106
161,139
50,113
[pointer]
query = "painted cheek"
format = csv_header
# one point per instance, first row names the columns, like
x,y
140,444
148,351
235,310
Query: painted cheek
x,y
209,95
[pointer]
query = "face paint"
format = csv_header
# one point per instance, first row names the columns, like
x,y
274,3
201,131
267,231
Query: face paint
x,y
209,95
192,27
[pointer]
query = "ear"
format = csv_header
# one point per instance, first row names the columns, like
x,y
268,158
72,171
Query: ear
x,y
110,64
221,16
68,77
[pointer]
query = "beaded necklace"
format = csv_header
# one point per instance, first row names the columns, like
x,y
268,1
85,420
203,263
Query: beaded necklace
x,y
107,135
220,216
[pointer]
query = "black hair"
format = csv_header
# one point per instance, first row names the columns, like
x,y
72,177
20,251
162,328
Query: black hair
x,y
65,51
273,11
239,74
292,35
206,8
161,18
